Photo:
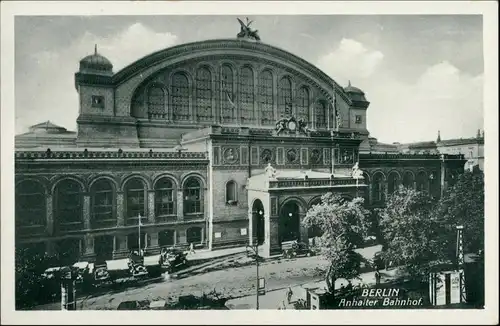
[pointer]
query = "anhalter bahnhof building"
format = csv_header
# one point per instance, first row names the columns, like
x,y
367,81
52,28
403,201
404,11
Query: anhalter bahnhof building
x,y
183,137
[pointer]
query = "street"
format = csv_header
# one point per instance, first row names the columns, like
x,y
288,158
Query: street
x,y
230,282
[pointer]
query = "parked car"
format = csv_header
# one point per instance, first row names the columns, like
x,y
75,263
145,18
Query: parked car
x,y
296,248
100,273
171,259
136,265
134,305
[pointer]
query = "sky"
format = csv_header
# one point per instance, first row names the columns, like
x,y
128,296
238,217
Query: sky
x,y
421,73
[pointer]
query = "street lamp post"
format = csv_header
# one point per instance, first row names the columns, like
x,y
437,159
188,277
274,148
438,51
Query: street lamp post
x,y
255,249
139,227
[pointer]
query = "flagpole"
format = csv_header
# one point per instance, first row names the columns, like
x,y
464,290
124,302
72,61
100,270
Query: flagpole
x,y
139,234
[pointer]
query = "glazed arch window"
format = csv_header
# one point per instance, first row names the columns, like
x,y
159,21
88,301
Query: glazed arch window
x,y
180,97
102,193
204,94
266,101
135,191
165,197
98,101
192,197
69,205
156,103
30,204
303,104
231,193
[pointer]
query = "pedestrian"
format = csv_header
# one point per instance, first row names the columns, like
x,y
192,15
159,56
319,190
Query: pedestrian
x,y
377,277
289,294
191,248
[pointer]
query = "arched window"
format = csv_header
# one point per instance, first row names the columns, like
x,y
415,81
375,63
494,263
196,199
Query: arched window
x,y
135,193
30,204
247,96
156,103
204,94
320,112
69,208
408,180
193,235
165,196
422,181
378,188
303,104
166,238
192,197
393,182
284,98
228,100
266,98
231,193
180,97
102,200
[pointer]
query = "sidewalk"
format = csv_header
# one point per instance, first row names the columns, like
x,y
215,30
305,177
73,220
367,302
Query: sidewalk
x,y
276,298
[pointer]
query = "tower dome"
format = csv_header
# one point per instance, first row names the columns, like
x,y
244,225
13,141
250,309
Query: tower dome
x,y
355,93
96,63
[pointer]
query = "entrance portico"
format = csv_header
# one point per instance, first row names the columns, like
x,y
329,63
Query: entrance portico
x,y
279,202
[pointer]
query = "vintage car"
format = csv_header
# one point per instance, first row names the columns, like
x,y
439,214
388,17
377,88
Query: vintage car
x,y
100,272
134,305
294,248
136,265
171,259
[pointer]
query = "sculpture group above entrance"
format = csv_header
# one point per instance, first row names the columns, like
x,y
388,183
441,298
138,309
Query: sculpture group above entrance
x,y
291,126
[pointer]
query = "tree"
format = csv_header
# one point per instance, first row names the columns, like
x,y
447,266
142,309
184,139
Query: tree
x,y
344,225
463,204
415,238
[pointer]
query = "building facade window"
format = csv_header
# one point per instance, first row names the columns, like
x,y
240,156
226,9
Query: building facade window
x,y
166,238
204,94
408,180
321,115
180,97
156,103
69,205
135,198
192,197
303,104
359,119
102,199
266,98
193,235
98,101
231,193
393,182
30,204
284,98
422,181
378,188
165,197
228,102
247,96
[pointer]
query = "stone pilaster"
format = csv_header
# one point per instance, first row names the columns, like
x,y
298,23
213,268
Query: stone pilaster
x,y
120,208
153,246
50,247
180,205
49,214
271,244
120,248
86,211
250,227
88,247
304,235
151,206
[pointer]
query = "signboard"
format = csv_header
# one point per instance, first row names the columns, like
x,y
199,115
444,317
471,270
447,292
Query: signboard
x,y
218,234
262,286
445,287
243,231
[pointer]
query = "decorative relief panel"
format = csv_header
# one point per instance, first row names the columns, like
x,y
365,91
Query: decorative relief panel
x,y
326,156
274,206
292,156
303,156
316,156
267,155
254,156
346,156
231,155
244,155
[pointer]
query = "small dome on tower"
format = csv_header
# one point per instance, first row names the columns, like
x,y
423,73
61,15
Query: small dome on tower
x,y
96,63
355,93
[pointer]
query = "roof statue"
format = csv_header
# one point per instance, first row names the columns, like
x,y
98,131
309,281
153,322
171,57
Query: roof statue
x,y
246,31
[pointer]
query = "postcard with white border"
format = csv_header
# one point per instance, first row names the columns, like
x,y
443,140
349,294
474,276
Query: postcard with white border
x,y
237,162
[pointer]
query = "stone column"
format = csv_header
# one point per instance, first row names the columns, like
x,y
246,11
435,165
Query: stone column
x,y
250,227
151,206
153,246
180,205
370,194
50,247
120,248
120,209
86,211
182,237
49,214
88,247
202,235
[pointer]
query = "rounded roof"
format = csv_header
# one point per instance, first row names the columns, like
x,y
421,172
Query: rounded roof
x,y
96,63
352,89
